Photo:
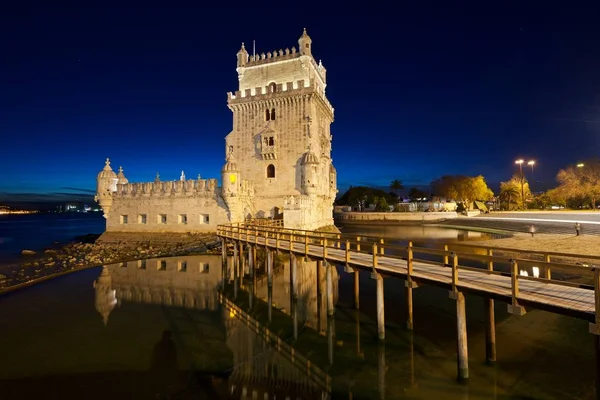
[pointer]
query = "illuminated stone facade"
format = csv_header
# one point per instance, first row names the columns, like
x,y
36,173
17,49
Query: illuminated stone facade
x,y
278,162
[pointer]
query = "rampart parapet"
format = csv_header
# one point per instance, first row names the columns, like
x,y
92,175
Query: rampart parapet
x,y
296,88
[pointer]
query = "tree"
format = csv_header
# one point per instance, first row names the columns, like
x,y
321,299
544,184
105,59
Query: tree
x,y
396,186
581,181
415,194
463,189
511,189
381,204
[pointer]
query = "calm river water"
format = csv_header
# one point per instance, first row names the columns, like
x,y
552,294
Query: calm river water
x,y
139,329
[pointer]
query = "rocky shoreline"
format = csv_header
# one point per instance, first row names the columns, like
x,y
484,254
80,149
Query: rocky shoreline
x,y
95,250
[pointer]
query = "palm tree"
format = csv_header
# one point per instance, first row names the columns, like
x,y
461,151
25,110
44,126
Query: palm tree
x,y
396,185
509,191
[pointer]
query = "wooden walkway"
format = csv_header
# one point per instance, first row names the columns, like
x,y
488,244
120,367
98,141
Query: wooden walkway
x,y
554,295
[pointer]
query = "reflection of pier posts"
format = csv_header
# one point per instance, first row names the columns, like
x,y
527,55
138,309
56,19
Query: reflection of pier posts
x,y
330,338
356,288
269,267
329,276
270,301
381,369
411,359
294,310
319,296
357,317
250,260
410,284
235,270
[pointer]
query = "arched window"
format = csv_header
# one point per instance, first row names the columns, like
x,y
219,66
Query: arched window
x,y
270,171
271,141
272,87
272,114
267,115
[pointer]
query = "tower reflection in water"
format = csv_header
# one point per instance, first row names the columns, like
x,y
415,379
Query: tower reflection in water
x,y
263,365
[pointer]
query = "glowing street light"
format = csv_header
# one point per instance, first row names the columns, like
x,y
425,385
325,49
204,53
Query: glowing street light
x,y
520,162
580,165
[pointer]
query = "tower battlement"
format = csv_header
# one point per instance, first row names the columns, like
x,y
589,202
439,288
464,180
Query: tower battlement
x,y
270,92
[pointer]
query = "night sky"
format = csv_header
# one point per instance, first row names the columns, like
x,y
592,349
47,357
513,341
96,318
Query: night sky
x,y
418,92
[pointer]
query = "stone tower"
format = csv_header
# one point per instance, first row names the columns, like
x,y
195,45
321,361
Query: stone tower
x,y
281,135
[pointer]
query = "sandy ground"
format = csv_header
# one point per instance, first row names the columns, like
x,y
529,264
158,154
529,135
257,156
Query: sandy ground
x,y
559,243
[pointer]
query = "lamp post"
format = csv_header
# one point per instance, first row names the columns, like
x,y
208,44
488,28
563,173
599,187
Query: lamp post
x,y
520,162
532,163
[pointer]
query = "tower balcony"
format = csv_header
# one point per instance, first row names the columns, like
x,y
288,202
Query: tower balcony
x,y
268,152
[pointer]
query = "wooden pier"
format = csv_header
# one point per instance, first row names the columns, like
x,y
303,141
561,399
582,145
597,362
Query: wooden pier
x,y
440,267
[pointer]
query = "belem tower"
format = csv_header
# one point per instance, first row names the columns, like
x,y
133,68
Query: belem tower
x,y
278,157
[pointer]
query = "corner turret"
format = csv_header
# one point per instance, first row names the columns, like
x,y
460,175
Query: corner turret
x,y
310,172
106,185
242,56
305,44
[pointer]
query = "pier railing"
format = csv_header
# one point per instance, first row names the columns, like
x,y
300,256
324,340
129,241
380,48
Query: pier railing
x,y
450,255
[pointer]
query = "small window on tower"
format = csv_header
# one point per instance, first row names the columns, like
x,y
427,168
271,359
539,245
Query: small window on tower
x,y
267,115
272,87
272,114
270,171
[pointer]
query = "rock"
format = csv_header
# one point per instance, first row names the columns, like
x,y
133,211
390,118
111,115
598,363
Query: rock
x,y
28,252
50,251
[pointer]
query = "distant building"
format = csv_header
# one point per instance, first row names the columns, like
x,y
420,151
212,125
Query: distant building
x,y
278,157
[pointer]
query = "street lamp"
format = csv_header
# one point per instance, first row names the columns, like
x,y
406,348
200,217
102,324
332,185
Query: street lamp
x,y
520,162
532,163
580,165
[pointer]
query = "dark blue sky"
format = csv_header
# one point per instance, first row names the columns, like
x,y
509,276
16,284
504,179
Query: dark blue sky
x,y
418,91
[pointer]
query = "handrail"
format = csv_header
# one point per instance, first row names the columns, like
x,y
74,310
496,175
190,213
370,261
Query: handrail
x,y
347,249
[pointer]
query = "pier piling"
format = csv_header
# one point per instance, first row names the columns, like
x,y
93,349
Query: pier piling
x,y
380,308
461,326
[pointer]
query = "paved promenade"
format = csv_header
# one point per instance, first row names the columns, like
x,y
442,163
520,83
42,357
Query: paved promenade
x,y
545,222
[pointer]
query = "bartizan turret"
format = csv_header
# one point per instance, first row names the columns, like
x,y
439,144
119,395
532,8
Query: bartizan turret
x,y
310,173
305,44
106,185
230,176
122,179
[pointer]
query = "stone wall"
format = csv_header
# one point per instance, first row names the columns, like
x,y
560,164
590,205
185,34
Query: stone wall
x,y
393,216
187,214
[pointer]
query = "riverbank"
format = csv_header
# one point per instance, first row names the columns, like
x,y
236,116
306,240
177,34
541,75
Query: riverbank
x,y
94,250
558,243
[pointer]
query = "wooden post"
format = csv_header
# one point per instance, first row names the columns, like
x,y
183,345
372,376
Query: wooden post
x,y
306,244
454,272
446,254
277,241
515,308
380,308
250,260
490,321
356,288
358,243
381,247
319,295
293,273
461,326
409,284
548,274
339,241
594,327
269,267
324,241
329,277
490,331
235,270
